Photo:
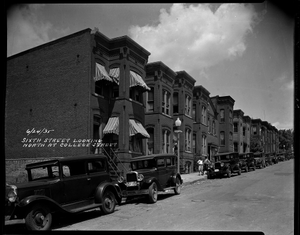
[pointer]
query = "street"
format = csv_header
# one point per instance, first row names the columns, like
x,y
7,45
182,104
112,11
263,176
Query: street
x,y
261,200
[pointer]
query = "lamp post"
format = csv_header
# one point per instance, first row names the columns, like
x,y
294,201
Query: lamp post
x,y
178,124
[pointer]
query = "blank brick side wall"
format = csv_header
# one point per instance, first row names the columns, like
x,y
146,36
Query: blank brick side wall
x,y
48,87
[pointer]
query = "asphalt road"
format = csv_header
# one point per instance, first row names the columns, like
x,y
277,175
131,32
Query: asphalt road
x,y
261,200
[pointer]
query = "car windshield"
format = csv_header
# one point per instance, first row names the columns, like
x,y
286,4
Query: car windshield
x,y
143,164
45,172
225,157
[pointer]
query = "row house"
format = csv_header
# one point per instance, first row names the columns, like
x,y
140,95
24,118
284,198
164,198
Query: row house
x,y
246,133
94,89
266,135
238,131
224,106
170,97
206,125
241,132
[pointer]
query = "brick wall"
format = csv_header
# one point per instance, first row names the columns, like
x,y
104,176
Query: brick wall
x,y
48,88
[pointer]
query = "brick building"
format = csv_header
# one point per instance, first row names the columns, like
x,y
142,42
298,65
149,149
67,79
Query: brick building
x,y
206,126
79,87
159,120
238,130
224,106
246,133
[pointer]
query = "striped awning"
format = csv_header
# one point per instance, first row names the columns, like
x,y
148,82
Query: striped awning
x,y
136,127
137,80
101,73
114,73
112,126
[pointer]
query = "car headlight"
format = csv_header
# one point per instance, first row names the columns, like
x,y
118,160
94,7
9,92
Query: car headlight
x,y
12,193
140,177
120,179
222,164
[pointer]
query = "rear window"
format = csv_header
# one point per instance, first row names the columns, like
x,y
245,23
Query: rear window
x,y
160,162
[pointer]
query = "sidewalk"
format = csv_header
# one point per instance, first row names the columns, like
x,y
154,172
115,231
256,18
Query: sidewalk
x,y
192,178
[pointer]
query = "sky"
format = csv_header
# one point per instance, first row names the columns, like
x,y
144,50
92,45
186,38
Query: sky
x,y
245,51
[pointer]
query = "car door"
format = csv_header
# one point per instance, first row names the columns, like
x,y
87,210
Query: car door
x,y
75,181
170,170
161,171
97,173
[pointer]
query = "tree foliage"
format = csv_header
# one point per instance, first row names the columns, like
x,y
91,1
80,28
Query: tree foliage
x,y
286,139
255,144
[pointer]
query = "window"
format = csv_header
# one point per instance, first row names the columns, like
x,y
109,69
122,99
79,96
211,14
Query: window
x,y
150,141
244,131
209,125
235,127
222,115
160,162
214,127
136,94
230,116
188,105
166,102
96,166
204,142
194,112
166,141
135,144
254,130
175,102
230,136
203,115
222,138
150,100
235,147
194,143
188,137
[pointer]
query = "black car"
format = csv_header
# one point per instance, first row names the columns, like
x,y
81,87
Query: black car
x,y
225,164
247,161
61,186
269,159
259,158
149,175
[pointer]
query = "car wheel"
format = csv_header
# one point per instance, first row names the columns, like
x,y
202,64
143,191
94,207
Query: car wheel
x,y
254,168
246,169
108,202
39,217
153,193
240,172
228,173
177,188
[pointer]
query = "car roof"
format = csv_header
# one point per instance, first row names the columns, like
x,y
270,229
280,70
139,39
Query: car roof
x,y
152,156
64,159
222,154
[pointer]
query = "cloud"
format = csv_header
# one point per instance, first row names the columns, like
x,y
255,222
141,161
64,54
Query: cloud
x,y
285,82
195,36
25,30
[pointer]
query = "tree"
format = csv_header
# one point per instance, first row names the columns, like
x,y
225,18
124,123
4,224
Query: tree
x,y
255,145
286,139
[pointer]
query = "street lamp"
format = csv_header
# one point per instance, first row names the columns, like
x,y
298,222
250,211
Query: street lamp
x,y
178,131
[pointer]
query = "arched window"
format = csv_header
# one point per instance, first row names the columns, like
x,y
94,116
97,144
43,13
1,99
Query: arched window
x,y
166,141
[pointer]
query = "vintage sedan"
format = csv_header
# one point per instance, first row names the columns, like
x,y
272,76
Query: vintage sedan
x,y
259,160
247,161
149,175
225,164
62,186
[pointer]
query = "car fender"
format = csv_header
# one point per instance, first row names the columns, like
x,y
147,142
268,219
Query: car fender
x,y
147,182
101,188
178,176
30,200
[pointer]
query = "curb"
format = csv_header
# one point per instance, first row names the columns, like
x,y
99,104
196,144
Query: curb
x,y
194,181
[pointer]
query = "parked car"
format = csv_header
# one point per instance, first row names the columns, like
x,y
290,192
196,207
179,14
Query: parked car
x,y
268,159
247,161
149,175
274,159
225,164
259,158
61,186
